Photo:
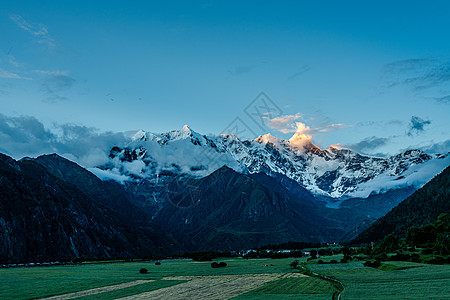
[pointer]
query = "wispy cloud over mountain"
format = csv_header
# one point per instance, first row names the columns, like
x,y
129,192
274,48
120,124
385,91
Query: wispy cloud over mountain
x,y
417,125
55,82
421,75
301,71
27,136
369,144
293,123
39,31
11,75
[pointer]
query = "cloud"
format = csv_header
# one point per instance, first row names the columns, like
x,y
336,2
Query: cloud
x,y
10,75
290,124
301,71
39,31
421,75
55,83
285,124
417,175
416,125
443,99
368,144
442,147
332,127
302,134
27,136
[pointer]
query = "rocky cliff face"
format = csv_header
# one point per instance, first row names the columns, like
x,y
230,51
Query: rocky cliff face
x,y
44,217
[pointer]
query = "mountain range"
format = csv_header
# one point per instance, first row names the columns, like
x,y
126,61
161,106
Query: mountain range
x,y
183,191
332,174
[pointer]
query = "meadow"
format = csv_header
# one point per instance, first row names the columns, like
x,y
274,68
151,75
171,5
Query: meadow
x,y
40,282
241,279
393,280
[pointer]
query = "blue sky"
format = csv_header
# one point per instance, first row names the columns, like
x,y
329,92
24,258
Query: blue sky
x,y
373,76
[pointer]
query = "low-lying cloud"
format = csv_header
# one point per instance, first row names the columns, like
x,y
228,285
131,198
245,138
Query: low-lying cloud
x,y
368,144
26,136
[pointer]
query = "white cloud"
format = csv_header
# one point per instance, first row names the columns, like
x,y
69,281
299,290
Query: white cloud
x,y
39,31
416,175
290,124
11,75
109,174
284,124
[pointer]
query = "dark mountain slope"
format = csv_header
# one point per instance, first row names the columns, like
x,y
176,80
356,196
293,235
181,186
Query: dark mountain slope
x,y
43,217
108,193
228,210
419,209
351,217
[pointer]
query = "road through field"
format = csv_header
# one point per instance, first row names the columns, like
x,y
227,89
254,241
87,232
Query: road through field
x,y
211,287
97,290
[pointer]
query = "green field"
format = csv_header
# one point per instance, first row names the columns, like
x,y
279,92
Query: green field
x,y
394,280
37,282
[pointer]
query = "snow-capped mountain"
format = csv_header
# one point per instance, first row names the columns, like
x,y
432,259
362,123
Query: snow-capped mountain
x,y
332,172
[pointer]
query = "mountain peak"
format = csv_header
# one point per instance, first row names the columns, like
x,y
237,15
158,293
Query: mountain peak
x,y
140,135
300,140
186,128
267,138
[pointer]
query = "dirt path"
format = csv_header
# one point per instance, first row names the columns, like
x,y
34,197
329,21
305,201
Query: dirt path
x,y
97,290
210,287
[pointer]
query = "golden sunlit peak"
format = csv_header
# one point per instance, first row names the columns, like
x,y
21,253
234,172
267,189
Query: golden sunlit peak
x,y
302,136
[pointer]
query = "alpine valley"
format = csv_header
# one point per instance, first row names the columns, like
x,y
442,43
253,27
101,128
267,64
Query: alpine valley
x,y
157,194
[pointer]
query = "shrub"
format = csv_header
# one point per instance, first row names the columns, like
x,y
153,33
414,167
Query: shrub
x,y
157,263
215,265
333,261
401,257
382,256
437,260
415,257
143,271
367,263
343,261
374,264
320,262
294,264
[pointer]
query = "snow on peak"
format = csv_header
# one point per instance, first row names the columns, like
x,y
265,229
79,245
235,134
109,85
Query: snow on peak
x,y
334,172
302,136
186,129
299,140
268,138
139,136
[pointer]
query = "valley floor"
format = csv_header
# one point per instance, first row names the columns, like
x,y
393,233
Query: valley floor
x,y
241,280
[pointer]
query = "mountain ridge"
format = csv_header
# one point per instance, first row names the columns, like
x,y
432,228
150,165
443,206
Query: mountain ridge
x,y
333,172
421,208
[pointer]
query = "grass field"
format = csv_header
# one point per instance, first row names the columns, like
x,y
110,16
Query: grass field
x,y
39,282
396,280
241,280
